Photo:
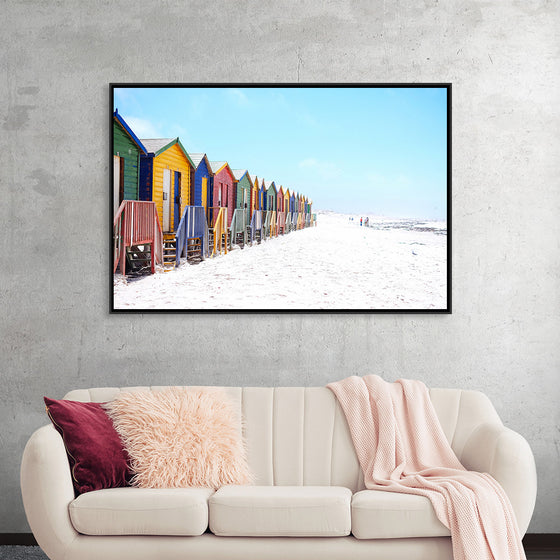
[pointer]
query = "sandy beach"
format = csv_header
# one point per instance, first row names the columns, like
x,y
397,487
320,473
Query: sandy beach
x,y
337,265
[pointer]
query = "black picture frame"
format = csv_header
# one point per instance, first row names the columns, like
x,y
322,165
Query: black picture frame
x,y
444,309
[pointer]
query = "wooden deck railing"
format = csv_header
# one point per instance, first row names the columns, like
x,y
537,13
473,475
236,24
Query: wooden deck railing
x,y
270,224
256,224
136,223
281,223
219,226
288,222
238,225
193,225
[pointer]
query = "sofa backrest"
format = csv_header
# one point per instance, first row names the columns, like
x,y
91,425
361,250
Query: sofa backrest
x,y
299,435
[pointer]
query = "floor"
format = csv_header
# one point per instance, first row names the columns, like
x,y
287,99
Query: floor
x,y
545,551
22,553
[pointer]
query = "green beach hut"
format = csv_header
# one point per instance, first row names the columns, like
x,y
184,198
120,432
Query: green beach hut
x,y
126,159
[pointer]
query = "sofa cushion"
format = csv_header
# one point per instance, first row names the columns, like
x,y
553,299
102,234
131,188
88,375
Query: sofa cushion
x,y
142,511
280,511
181,437
391,515
95,450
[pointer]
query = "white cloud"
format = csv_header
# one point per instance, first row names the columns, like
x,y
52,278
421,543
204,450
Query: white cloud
x,y
393,181
324,169
309,162
308,119
143,128
238,96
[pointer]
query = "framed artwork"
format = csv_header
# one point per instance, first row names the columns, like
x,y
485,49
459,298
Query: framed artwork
x,y
280,198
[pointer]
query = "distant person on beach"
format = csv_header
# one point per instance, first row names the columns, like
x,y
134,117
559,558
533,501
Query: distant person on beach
x,y
360,221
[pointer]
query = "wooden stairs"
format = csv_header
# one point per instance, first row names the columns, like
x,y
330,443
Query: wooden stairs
x,y
169,251
137,238
240,239
138,260
220,247
194,250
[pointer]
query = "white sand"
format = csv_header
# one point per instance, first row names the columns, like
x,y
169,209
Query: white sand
x,y
394,264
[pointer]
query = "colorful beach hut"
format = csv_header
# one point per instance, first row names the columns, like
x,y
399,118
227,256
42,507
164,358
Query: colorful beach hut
x,y
223,191
271,196
243,186
301,216
127,148
287,200
262,196
255,196
288,221
280,200
255,219
293,206
242,214
166,173
280,214
202,180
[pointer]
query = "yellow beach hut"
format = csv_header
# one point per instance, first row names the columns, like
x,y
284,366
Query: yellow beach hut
x,y
166,177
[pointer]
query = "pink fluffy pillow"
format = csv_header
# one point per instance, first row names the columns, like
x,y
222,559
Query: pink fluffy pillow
x,y
180,437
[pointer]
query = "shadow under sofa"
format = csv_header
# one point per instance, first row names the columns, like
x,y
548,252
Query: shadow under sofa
x,y
308,499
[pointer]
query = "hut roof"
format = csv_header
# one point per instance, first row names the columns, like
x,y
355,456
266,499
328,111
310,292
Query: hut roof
x,y
197,158
269,184
217,165
238,174
128,130
153,145
157,146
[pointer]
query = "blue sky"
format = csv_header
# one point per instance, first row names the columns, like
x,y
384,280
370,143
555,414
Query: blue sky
x,y
379,151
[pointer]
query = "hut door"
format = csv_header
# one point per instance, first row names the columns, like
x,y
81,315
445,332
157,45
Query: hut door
x,y
166,198
177,207
118,182
116,178
204,191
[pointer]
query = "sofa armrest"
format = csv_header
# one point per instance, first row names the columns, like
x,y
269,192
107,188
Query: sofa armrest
x,y
504,454
47,490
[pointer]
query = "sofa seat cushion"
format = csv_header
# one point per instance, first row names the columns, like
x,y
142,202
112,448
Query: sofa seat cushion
x,y
280,511
390,515
142,511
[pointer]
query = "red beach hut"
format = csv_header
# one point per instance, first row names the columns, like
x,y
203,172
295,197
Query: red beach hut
x,y
224,192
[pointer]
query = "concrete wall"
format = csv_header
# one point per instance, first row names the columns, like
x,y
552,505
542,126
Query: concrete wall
x,y
57,59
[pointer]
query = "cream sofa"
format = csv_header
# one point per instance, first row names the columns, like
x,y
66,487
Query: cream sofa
x,y
308,499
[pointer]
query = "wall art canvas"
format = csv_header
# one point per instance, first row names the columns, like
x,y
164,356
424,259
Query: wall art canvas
x,y
280,197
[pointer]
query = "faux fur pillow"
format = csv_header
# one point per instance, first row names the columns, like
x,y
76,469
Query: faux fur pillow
x,y
180,437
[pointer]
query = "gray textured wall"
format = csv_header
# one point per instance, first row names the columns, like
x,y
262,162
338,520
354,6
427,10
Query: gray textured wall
x,y
503,336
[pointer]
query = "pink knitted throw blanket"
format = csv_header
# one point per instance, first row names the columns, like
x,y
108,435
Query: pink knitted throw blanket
x,y
401,447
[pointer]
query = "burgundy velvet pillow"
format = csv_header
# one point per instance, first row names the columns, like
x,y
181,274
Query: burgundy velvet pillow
x,y
97,456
